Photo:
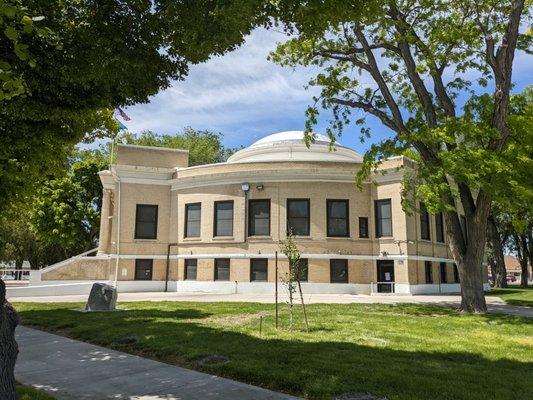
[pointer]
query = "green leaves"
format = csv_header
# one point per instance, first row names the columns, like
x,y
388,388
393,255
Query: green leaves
x,y
205,147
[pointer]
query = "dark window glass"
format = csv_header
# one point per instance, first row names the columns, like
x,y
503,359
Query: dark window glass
x,y
222,269
193,218
462,219
258,269
338,270
424,222
223,218
443,277
439,227
337,214
143,270
146,221
259,218
298,216
191,268
383,217
455,273
304,270
363,227
429,272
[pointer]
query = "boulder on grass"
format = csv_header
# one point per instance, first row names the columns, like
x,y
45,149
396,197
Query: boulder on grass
x,y
103,297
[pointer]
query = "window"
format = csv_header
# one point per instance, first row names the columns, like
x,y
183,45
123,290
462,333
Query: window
x,y
337,214
455,273
443,278
298,217
191,269
222,269
259,219
429,272
424,223
146,221
304,270
143,269
223,218
193,218
439,227
383,218
363,227
258,269
338,271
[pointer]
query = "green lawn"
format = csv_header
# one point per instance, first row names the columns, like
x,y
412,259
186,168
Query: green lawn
x,y
514,295
28,393
401,352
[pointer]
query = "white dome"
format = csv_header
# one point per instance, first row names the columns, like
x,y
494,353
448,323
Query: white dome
x,y
288,137
290,146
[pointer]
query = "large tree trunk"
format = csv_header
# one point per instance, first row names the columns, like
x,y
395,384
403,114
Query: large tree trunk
x,y
496,259
523,257
8,347
468,249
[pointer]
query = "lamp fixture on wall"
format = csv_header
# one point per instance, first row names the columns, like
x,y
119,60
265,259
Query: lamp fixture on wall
x,y
245,187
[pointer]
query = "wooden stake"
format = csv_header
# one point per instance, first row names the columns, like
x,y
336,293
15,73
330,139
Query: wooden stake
x,y
276,285
303,306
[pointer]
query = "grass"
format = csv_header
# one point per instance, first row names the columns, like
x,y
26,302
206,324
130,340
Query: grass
x,y
514,295
29,393
398,351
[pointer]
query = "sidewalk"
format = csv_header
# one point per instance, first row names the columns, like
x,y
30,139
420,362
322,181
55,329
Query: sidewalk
x,y
69,369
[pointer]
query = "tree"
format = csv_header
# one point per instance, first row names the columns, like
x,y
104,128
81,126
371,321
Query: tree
x,y
61,219
66,210
418,57
205,147
82,59
294,275
8,346
511,220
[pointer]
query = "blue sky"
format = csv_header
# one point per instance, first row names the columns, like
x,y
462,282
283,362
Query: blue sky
x,y
246,97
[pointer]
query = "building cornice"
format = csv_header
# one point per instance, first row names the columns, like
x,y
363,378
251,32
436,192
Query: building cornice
x,y
143,175
261,176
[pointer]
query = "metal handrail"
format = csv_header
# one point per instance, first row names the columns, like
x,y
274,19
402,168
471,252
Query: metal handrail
x,y
25,273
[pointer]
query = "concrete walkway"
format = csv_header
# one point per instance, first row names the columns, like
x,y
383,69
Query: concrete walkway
x,y
495,304
69,369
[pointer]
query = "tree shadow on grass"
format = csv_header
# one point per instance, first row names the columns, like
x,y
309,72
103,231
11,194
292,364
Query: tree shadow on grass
x,y
316,369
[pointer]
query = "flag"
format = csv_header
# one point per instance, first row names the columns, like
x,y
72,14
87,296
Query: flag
x,y
121,126
123,114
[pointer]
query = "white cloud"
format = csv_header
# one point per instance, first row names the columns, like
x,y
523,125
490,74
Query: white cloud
x,y
241,94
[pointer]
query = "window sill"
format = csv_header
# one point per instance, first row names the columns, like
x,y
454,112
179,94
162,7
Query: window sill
x,y
145,240
425,241
192,239
259,238
223,238
338,238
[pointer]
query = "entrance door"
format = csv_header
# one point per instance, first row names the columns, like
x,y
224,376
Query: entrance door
x,y
385,275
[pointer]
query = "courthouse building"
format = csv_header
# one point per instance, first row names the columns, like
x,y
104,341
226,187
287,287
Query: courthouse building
x,y
217,227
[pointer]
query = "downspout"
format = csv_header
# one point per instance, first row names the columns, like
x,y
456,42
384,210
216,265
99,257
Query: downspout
x,y
245,216
118,230
168,264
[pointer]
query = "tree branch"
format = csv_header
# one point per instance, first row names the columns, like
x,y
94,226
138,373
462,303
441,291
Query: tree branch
x,y
369,108
418,84
503,74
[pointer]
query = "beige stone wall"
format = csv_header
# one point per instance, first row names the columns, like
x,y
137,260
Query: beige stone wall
x,y
81,269
171,218
152,156
131,195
